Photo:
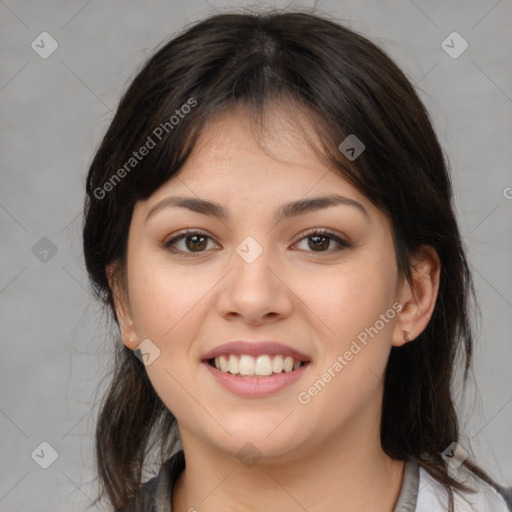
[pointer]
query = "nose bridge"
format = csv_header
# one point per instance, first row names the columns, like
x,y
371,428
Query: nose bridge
x,y
250,250
252,259
253,290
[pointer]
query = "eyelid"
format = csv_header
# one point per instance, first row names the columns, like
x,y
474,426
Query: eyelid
x,y
323,231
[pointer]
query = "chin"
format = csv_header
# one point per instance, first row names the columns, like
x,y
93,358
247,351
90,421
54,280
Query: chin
x,y
263,442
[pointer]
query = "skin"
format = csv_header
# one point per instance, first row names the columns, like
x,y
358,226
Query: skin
x,y
325,455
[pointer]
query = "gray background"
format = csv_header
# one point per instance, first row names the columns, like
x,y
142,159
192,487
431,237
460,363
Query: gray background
x,y
54,112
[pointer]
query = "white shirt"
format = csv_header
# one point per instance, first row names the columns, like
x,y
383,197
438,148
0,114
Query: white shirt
x,y
421,492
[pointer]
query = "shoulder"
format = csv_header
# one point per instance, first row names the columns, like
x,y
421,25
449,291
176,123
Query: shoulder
x,y
433,496
155,494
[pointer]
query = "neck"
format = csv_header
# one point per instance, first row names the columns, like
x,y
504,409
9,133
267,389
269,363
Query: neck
x,y
339,474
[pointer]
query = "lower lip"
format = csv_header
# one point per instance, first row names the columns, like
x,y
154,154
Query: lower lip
x,y
256,386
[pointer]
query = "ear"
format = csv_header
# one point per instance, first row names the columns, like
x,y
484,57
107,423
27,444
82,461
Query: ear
x,y
418,301
117,282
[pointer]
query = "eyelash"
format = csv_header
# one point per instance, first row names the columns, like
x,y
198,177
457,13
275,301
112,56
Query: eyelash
x,y
308,233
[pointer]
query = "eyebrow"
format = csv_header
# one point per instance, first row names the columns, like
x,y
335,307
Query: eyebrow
x,y
285,211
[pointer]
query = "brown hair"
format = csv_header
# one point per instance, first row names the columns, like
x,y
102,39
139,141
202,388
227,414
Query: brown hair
x,y
352,87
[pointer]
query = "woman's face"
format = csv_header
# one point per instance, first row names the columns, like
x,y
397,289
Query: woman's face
x,y
248,276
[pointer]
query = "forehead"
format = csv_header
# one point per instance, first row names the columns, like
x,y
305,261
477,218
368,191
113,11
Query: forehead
x,y
281,135
235,151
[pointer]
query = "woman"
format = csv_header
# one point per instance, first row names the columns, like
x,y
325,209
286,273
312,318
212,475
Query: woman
x,y
269,218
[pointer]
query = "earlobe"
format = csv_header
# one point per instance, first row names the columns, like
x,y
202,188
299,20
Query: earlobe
x,y
115,278
419,298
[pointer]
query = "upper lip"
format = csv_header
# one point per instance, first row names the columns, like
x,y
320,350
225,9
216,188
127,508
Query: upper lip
x,y
255,348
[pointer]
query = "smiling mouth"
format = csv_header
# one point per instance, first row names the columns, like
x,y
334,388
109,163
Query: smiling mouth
x,y
261,366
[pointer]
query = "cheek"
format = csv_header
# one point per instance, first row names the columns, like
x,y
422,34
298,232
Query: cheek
x,y
354,314
350,370
349,299
162,298
163,310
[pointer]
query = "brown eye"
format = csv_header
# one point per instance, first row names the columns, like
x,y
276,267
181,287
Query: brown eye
x,y
197,242
320,242
194,242
320,239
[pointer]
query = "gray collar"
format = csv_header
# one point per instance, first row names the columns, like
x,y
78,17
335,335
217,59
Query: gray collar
x,y
409,492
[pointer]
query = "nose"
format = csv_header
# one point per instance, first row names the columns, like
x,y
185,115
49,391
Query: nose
x,y
255,289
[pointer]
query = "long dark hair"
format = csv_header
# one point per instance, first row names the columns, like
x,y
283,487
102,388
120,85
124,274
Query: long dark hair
x,y
349,86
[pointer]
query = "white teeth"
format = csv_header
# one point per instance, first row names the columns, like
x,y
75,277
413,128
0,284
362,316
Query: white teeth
x,y
224,365
233,364
288,364
277,364
246,365
262,365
